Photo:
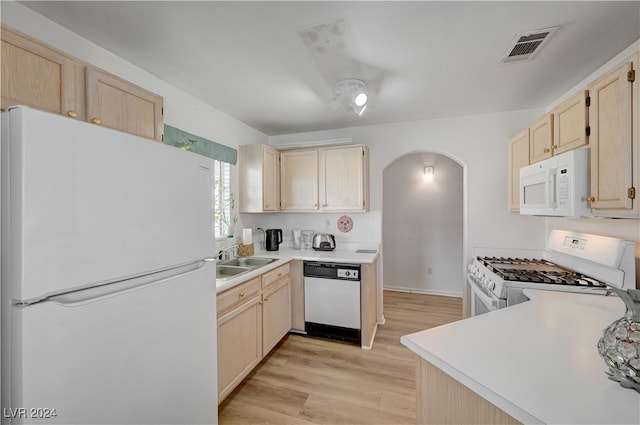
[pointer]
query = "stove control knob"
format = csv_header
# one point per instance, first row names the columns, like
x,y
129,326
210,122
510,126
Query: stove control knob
x,y
485,281
491,285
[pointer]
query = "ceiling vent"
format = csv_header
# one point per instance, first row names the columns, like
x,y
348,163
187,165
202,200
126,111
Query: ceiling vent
x,y
527,44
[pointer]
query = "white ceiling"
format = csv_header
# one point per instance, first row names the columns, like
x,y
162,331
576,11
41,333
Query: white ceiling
x,y
420,59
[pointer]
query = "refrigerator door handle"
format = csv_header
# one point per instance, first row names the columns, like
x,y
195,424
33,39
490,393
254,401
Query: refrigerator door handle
x,y
110,289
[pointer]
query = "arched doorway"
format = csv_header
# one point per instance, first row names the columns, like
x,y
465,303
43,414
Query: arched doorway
x,y
423,239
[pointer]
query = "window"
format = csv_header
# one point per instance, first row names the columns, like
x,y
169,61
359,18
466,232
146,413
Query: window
x,y
223,201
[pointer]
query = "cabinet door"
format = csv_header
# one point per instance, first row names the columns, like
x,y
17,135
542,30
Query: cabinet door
x,y
118,104
342,179
270,179
541,139
276,314
570,120
37,76
239,345
611,141
299,180
518,158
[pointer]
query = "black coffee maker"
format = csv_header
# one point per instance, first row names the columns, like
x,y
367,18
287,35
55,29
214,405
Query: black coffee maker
x,y
273,239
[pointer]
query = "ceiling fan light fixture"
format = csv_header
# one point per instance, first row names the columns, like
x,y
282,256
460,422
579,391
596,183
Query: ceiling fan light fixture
x,y
361,99
352,94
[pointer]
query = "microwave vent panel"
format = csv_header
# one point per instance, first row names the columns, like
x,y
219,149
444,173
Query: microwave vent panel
x,y
526,45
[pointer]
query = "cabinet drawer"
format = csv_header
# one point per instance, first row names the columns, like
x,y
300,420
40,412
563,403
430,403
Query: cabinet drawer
x,y
275,275
237,296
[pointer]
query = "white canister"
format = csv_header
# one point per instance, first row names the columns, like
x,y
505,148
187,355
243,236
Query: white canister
x,y
296,238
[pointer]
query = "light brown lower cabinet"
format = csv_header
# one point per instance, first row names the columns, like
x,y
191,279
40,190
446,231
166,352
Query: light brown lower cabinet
x,y
252,318
443,400
276,314
239,345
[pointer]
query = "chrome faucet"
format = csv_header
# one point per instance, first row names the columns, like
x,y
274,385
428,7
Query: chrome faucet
x,y
223,254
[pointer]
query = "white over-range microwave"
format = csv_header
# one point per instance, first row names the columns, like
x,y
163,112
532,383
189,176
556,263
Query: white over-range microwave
x,y
557,186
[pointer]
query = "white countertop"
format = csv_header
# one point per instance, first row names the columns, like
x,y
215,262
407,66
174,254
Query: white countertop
x,y
537,360
285,255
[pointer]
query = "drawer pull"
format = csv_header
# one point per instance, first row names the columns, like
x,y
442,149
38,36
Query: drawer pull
x,y
241,294
546,150
72,114
591,199
279,274
97,121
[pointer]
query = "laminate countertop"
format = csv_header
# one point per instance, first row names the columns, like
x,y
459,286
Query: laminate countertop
x,y
537,360
285,255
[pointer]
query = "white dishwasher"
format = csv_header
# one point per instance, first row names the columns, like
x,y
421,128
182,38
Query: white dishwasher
x,y
332,301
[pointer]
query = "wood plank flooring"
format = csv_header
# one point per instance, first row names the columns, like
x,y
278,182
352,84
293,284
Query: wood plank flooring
x,y
313,381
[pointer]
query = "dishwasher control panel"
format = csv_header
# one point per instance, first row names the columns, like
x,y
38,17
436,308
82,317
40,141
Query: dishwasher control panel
x,y
349,274
340,271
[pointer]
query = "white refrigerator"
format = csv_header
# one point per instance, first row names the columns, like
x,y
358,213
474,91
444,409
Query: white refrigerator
x,y
108,292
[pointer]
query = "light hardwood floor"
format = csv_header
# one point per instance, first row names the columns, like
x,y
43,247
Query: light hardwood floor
x,y
312,381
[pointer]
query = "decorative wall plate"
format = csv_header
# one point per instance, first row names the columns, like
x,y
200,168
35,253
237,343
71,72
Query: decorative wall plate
x,y
345,224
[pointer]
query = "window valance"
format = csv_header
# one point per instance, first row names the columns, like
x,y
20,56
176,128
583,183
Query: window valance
x,y
184,140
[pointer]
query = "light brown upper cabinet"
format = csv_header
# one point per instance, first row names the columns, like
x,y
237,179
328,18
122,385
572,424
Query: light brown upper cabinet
x,y
344,178
38,76
518,158
299,180
541,139
570,123
325,179
259,175
614,119
563,129
119,104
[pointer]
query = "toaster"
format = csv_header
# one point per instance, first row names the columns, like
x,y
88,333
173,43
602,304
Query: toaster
x,y
324,242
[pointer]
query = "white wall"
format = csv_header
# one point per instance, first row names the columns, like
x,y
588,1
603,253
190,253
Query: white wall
x,y
181,110
422,225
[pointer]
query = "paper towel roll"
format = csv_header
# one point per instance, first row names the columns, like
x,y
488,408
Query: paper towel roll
x,y
247,236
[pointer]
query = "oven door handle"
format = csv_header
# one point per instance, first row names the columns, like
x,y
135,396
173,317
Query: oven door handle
x,y
492,303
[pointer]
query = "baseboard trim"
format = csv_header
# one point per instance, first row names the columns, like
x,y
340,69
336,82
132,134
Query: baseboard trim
x,y
424,292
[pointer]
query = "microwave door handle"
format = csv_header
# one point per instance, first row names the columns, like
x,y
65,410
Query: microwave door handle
x,y
551,188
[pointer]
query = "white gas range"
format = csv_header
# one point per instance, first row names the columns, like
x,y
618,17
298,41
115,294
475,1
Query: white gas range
x,y
571,262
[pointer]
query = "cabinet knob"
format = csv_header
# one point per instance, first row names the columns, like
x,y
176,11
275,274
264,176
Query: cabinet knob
x,y
72,114
554,147
241,294
546,150
97,121
591,199
325,205
260,302
266,299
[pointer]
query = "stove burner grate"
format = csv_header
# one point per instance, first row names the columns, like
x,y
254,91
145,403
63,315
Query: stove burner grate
x,y
541,271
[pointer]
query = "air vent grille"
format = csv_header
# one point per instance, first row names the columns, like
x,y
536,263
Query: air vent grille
x,y
526,45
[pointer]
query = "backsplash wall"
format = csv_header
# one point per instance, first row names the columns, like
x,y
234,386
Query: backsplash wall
x,y
365,232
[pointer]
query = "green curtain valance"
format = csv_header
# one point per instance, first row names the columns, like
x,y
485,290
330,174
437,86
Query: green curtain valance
x,y
181,139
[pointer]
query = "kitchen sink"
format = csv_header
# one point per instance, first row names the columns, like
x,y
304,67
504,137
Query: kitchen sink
x,y
250,262
224,271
